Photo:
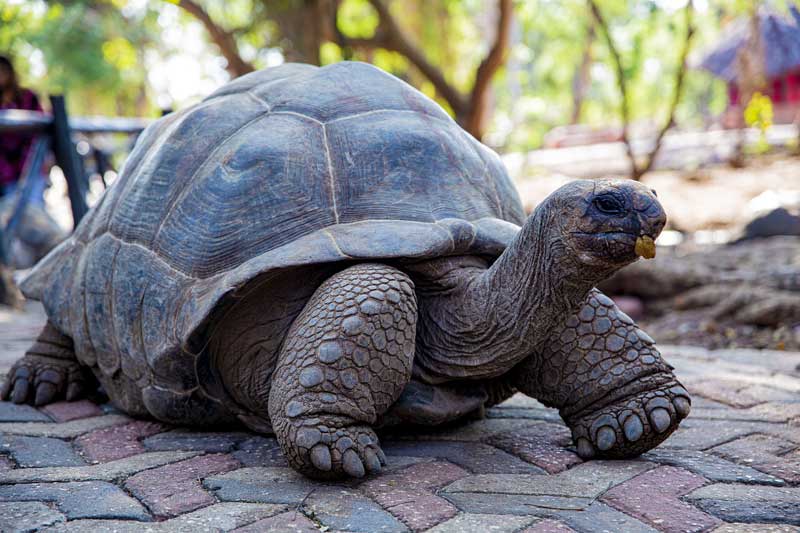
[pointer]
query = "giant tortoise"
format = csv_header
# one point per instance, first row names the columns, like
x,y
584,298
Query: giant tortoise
x,y
319,252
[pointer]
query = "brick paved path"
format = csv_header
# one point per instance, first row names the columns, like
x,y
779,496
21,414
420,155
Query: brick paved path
x,y
734,466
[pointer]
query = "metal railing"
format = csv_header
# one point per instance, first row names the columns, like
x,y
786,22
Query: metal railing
x,y
55,132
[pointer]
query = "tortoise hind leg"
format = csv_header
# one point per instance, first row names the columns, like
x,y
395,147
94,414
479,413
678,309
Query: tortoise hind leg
x,y
49,371
344,362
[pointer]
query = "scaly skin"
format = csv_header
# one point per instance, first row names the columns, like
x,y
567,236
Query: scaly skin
x,y
48,372
346,359
608,381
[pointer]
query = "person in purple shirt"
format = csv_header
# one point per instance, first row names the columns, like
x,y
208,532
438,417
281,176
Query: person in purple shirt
x,y
14,147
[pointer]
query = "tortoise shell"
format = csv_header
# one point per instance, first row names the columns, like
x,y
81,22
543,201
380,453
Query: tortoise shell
x,y
286,167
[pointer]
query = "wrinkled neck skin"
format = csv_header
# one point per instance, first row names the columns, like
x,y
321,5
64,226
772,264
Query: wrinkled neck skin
x,y
478,322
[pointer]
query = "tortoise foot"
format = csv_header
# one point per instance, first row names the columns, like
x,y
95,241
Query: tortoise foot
x,y
632,424
327,453
48,372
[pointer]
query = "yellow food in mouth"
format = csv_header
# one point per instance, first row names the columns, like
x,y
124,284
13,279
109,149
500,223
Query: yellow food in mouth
x,y
645,247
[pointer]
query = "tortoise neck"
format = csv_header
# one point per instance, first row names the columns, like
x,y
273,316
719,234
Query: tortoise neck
x,y
501,314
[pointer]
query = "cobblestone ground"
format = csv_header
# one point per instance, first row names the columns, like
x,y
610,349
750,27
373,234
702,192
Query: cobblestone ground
x,y
734,466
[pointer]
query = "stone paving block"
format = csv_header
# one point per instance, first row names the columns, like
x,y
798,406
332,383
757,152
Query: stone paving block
x,y
548,526
766,453
260,451
102,472
288,522
117,442
755,528
586,480
176,488
347,510
32,452
735,502
183,439
475,457
11,412
476,431
695,434
710,466
489,523
82,499
728,392
543,445
66,411
64,430
407,494
6,463
653,498
261,484
27,516
581,514
542,414
219,517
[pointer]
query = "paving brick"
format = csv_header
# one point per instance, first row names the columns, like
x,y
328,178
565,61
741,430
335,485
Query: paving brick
x,y
475,457
407,494
83,499
543,445
11,412
182,439
765,412
261,484
704,434
66,411
728,392
755,528
585,480
489,523
653,498
347,510
225,516
710,466
176,488
766,453
476,431
103,472
29,452
6,463
64,430
548,526
288,522
27,516
735,502
260,451
581,514
117,442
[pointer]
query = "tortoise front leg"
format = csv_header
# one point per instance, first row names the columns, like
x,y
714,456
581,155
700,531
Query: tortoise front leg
x,y
345,360
48,371
608,380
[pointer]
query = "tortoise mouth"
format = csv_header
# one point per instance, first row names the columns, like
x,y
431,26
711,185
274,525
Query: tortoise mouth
x,y
613,246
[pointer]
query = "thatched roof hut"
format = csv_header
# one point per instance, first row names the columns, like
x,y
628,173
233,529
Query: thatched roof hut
x,y
781,38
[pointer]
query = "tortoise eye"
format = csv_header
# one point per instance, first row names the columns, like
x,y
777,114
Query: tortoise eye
x,y
608,205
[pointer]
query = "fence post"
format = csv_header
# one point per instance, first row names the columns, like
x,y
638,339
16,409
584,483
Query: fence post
x,y
68,159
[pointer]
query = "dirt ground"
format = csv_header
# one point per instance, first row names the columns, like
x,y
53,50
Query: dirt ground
x,y
706,208
714,198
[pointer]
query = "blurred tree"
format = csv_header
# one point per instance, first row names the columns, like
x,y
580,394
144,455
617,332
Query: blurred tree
x,y
637,169
302,28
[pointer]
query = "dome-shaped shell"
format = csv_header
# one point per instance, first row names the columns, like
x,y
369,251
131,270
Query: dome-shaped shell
x,y
292,165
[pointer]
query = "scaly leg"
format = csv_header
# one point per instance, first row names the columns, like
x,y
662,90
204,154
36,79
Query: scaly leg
x,y
48,372
608,380
345,360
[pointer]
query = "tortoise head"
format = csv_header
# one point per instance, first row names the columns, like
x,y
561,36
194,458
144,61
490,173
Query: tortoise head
x,y
609,223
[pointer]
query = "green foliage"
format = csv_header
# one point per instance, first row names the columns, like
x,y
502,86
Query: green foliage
x,y
102,53
758,114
